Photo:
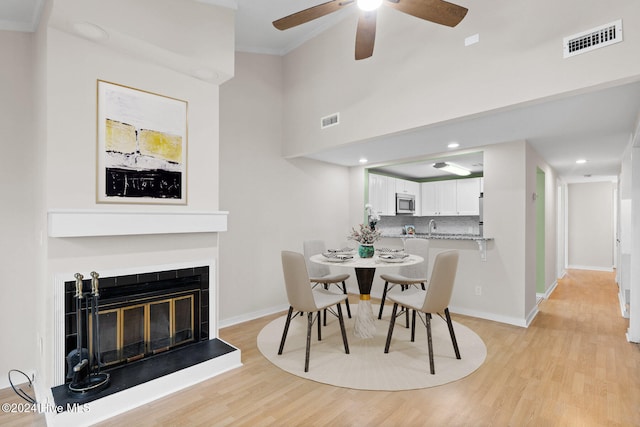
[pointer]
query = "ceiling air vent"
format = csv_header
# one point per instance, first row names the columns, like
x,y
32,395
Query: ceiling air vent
x,y
594,38
330,120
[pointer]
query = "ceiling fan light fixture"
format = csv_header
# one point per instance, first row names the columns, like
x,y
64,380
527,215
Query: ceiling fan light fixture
x,y
368,5
452,168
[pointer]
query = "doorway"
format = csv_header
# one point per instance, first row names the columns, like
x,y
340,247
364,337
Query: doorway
x,y
540,232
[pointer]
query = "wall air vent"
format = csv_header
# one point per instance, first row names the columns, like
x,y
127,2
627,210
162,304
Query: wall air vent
x,y
594,38
331,120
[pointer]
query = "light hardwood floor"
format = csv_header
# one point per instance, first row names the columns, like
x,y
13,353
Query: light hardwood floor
x,y
571,367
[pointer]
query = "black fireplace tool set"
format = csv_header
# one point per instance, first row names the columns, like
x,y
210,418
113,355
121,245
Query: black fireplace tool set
x,y
84,363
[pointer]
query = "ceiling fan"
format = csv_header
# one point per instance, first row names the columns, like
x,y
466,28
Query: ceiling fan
x,y
438,11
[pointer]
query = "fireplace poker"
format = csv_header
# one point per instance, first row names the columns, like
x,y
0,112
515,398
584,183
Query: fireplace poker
x,y
78,363
85,381
96,319
79,297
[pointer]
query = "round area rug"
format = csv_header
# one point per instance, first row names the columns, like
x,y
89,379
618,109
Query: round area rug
x,y
367,367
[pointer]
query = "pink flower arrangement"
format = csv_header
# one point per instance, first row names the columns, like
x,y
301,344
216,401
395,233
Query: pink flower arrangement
x,y
365,235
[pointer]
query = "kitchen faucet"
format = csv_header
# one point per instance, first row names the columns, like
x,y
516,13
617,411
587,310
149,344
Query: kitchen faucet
x,y
432,225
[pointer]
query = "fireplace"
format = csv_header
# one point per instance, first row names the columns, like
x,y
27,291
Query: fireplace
x,y
153,325
140,315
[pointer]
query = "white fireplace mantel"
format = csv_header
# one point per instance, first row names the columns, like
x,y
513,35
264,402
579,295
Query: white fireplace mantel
x,y
87,223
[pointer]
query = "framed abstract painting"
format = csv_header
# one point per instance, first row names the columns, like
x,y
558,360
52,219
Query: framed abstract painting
x,y
142,147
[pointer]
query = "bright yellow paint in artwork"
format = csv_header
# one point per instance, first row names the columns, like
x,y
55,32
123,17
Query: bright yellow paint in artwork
x,y
120,137
161,145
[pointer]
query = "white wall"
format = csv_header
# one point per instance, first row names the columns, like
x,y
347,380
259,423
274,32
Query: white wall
x,y
421,73
274,203
590,225
505,205
633,333
507,277
18,180
629,235
72,66
625,230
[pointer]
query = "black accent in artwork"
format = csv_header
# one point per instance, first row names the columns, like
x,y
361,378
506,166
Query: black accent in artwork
x,y
157,184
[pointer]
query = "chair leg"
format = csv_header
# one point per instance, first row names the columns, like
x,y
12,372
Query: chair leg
x,y
453,335
413,326
286,329
384,297
344,290
391,324
309,325
406,315
320,327
430,343
342,329
423,288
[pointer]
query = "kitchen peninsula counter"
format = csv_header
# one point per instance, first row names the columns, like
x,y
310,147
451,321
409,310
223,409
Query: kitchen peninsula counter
x,y
438,236
441,240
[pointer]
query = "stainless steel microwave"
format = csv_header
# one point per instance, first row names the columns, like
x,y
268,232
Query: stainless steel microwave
x,y
405,204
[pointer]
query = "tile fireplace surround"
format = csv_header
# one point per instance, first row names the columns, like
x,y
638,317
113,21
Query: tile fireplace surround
x,y
85,223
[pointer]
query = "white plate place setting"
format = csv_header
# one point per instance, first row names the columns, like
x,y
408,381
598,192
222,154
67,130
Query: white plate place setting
x,y
393,257
337,256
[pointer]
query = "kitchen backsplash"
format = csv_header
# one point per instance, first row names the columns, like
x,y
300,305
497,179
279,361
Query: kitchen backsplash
x,y
394,225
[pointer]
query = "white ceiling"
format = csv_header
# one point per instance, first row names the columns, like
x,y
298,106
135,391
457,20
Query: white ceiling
x,y
20,15
255,33
596,126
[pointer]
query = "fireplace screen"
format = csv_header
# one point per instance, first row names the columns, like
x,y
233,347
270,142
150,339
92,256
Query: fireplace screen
x,y
131,332
139,315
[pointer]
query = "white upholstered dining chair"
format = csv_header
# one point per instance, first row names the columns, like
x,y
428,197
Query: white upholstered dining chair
x,y
434,300
303,299
321,274
410,275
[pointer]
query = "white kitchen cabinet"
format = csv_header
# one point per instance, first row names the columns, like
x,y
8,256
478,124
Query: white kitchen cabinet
x,y
428,199
438,198
450,197
382,194
467,194
407,187
446,198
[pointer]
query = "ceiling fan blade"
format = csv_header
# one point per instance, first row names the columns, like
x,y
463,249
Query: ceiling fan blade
x,y
366,34
438,11
310,14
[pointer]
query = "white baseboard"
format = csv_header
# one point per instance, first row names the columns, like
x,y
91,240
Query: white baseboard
x,y
547,293
494,317
532,315
590,267
623,305
223,323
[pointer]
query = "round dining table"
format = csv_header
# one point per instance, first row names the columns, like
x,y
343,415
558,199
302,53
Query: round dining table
x,y
364,322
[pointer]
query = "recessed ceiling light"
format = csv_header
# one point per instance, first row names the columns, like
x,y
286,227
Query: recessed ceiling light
x,y
581,161
368,5
453,145
363,160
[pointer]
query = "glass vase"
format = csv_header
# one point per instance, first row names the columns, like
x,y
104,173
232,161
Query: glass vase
x,y
365,251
